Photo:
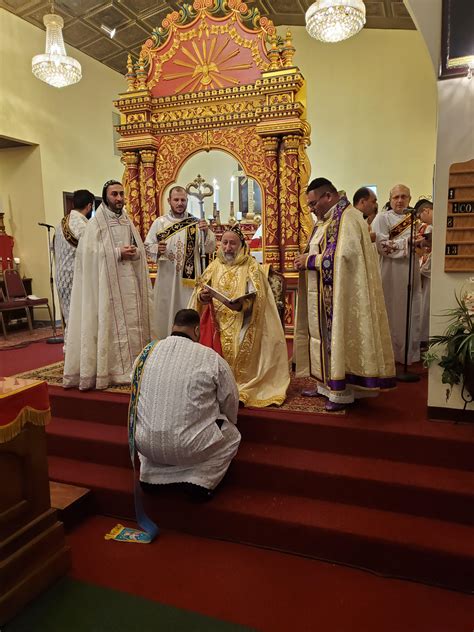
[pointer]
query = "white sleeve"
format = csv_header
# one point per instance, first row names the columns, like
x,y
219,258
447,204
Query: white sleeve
x,y
210,243
392,248
151,242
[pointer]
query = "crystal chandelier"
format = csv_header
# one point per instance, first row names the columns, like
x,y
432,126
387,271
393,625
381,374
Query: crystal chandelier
x,y
335,20
54,66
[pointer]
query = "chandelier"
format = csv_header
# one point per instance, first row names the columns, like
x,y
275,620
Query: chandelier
x,y
335,20
54,66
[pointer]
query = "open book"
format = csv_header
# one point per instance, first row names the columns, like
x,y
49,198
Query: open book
x,y
228,302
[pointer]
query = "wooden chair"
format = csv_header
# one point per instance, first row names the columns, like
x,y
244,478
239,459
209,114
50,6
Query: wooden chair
x,y
11,306
16,291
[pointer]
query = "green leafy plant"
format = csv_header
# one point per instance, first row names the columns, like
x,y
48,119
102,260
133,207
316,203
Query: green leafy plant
x,y
454,349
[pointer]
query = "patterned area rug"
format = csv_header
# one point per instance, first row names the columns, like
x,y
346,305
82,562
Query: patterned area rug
x,y
295,402
24,337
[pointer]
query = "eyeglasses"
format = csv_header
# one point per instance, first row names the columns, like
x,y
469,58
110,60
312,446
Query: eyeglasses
x,y
312,205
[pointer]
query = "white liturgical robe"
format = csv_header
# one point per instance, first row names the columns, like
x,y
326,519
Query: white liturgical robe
x,y
392,240
178,268
185,390
110,314
66,238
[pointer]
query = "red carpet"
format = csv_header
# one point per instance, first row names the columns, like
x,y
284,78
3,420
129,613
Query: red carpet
x,y
379,488
266,590
13,361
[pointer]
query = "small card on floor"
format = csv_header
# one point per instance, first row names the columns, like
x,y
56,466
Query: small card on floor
x,y
126,534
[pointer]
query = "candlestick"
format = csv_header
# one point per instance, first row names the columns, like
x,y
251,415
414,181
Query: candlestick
x,y
232,219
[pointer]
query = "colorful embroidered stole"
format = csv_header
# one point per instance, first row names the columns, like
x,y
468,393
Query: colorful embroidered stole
x,y
327,263
401,226
190,225
67,232
150,529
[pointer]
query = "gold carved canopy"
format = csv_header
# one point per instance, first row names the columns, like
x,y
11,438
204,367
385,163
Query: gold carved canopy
x,y
216,76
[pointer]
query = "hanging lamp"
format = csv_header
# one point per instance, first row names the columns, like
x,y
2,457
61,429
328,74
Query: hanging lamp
x,y
335,20
55,67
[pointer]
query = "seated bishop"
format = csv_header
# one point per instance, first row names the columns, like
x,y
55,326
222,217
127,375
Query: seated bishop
x,y
239,318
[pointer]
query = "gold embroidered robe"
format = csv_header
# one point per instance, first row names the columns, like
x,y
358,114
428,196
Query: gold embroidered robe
x,y
253,340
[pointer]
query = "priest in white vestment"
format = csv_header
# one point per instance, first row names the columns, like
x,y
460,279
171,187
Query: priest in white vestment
x,y
174,242
66,239
392,230
185,428
342,336
111,302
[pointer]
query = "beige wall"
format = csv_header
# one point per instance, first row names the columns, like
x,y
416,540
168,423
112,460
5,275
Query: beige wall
x,y
372,108
72,128
455,143
371,104
22,201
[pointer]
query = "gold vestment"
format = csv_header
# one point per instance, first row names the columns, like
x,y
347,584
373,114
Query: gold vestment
x,y
253,340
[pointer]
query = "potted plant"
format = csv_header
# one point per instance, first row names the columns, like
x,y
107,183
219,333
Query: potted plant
x,y
454,349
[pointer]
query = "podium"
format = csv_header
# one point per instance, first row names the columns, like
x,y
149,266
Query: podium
x,y
33,550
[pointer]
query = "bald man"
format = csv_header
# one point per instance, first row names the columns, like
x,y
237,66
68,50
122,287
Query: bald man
x,y
392,230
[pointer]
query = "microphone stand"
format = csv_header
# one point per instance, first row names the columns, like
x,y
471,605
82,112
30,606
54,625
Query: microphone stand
x,y
406,376
54,339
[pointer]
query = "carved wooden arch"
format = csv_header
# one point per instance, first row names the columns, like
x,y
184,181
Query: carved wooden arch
x,y
215,76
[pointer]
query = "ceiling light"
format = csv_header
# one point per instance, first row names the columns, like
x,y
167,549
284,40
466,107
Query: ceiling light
x,y
54,67
335,20
110,32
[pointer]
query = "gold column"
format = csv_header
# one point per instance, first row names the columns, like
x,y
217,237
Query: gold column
x,y
289,201
271,232
132,186
147,189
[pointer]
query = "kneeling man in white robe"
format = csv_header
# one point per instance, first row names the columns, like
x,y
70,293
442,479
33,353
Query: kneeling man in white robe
x,y
186,412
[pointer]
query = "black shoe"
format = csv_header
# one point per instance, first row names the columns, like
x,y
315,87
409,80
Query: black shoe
x,y
197,493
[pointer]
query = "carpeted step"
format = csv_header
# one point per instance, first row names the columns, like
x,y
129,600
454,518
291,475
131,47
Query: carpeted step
x,y
390,543
97,406
441,493
88,441
434,492
443,445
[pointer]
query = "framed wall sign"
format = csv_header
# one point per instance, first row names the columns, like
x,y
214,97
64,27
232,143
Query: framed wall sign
x,y
457,45
459,250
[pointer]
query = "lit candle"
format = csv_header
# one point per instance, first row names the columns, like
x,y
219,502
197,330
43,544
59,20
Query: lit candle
x,y
216,195
214,184
232,180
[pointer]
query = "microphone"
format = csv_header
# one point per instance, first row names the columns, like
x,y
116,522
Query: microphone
x,y
409,209
45,225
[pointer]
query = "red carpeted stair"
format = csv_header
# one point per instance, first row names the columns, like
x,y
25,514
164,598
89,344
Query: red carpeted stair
x,y
379,488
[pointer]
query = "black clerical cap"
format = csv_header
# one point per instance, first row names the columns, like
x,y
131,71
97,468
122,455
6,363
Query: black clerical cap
x,y
105,187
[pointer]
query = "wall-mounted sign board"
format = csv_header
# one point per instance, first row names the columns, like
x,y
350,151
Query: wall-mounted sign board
x,y
459,252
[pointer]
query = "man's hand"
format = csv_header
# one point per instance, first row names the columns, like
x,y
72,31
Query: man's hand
x,y
161,247
205,296
203,225
128,252
300,262
236,306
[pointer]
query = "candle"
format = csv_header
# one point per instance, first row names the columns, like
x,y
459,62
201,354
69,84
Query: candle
x,y
232,180
216,195
214,184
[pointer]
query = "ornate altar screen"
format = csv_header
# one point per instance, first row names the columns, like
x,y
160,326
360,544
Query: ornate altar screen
x,y
215,76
